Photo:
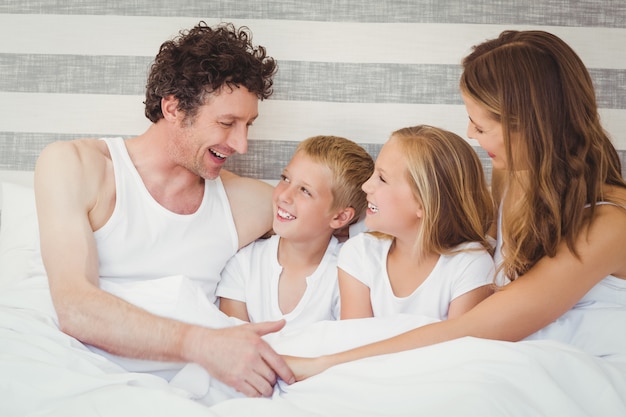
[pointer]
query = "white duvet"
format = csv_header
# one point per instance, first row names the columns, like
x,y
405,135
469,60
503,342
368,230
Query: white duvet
x,y
44,372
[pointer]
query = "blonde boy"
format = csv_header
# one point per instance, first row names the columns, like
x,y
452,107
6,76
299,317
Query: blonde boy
x,y
293,274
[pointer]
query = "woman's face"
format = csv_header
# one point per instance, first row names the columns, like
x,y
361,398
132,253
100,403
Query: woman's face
x,y
486,131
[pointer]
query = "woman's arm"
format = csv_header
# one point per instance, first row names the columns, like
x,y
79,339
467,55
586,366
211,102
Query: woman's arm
x,y
521,308
355,297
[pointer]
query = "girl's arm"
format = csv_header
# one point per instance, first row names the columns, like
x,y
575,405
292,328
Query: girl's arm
x,y
526,305
467,301
355,297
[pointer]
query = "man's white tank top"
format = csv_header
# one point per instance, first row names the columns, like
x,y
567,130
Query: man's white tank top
x,y
143,240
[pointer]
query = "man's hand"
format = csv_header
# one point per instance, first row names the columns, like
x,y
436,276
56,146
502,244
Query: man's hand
x,y
239,357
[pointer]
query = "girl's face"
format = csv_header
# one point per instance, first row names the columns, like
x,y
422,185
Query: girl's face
x,y
486,131
302,200
391,206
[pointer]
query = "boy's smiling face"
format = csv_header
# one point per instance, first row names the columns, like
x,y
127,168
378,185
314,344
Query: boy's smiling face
x,y
302,200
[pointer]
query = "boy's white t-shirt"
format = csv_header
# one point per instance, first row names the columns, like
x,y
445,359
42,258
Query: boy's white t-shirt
x,y
364,257
252,276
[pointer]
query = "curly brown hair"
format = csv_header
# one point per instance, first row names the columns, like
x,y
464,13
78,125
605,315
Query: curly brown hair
x,y
201,61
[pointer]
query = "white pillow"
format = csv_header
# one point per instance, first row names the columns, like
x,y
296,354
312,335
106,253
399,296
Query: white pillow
x,y
18,232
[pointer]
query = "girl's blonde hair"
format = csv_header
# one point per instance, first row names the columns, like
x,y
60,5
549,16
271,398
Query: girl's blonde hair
x,y
536,86
447,179
350,164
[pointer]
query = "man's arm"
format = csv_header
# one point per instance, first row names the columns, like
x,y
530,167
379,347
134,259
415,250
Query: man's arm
x,y
75,196
251,205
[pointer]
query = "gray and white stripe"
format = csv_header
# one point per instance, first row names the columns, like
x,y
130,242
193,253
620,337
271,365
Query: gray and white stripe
x,y
352,68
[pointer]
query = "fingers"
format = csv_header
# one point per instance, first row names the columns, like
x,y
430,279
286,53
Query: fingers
x,y
266,327
266,372
254,385
277,364
258,381
273,359
251,365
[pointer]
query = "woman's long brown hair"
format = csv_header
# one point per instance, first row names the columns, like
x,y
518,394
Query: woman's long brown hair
x,y
559,156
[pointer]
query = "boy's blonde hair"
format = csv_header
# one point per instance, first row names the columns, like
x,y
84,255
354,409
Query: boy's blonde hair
x,y
448,180
350,165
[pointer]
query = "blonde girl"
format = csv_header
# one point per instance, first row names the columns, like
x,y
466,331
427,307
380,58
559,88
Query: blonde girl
x,y
429,208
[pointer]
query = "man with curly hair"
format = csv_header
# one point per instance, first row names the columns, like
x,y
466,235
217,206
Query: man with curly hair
x,y
160,204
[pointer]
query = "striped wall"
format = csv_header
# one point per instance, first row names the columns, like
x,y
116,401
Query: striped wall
x,y
359,69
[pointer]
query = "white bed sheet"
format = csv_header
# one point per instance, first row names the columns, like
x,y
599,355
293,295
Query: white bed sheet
x,y
574,367
459,378
44,372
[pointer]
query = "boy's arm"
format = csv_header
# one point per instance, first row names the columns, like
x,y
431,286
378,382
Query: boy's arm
x,y
231,290
234,308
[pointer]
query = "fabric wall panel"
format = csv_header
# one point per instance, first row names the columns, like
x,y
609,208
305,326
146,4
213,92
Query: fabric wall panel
x,y
350,68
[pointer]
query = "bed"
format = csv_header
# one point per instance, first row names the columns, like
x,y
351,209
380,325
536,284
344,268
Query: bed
x,y
352,68
574,367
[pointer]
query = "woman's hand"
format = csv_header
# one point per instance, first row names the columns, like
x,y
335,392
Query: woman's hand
x,y
304,368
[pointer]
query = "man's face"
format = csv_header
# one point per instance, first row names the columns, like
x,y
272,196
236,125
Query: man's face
x,y
220,129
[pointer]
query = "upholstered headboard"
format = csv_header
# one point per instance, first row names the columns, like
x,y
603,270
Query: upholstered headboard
x,y
351,68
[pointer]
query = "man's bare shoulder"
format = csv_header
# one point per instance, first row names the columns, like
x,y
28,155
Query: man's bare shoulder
x,y
74,158
235,183
77,148
251,204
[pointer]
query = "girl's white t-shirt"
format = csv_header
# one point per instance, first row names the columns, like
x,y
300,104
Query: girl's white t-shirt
x,y
364,257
